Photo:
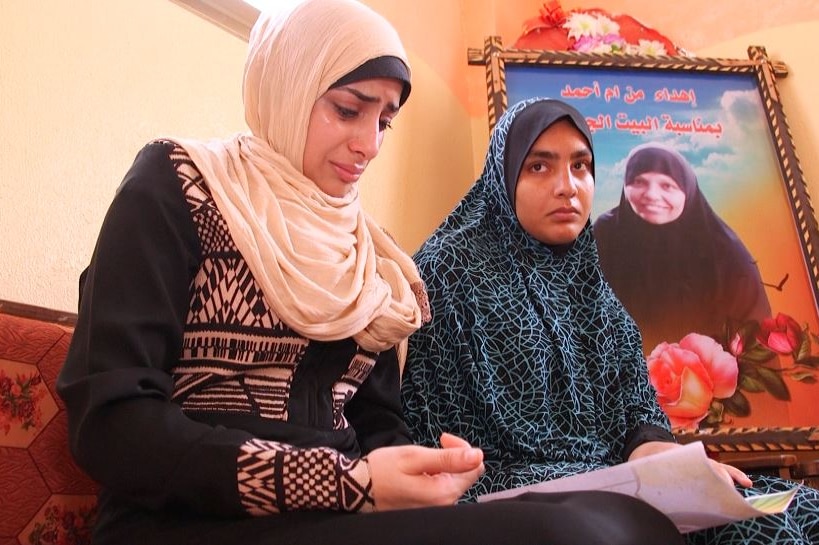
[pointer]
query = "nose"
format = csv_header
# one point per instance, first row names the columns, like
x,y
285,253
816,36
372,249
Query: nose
x,y
652,191
566,184
367,140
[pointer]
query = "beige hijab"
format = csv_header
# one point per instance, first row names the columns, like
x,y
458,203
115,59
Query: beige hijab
x,y
325,267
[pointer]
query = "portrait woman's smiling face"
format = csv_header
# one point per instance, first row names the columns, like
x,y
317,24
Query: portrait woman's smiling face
x,y
655,197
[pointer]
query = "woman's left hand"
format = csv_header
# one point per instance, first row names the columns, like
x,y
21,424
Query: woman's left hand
x,y
728,473
731,474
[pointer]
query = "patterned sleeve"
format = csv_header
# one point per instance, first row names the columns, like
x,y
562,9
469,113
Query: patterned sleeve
x,y
274,477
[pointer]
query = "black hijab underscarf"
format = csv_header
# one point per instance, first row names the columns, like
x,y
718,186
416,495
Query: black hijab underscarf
x,y
380,67
527,128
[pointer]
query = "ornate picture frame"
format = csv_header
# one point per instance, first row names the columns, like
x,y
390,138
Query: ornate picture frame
x,y
728,113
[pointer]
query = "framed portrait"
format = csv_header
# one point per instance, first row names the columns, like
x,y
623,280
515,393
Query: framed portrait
x,y
725,119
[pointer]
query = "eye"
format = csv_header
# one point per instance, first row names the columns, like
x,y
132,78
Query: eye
x,y
537,167
581,165
345,113
385,124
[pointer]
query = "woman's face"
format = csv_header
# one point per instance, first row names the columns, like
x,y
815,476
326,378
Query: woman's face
x,y
555,188
345,132
655,197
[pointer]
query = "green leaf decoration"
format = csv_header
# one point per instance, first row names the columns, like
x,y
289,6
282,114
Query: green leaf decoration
x,y
748,329
737,404
756,353
774,383
803,351
804,377
715,413
750,384
712,420
810,361
748,369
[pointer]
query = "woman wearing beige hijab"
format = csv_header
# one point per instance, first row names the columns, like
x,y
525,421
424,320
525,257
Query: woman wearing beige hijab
x,y
233,376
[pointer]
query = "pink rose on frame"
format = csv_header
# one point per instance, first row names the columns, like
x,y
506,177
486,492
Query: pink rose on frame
x,y
689,375
781,334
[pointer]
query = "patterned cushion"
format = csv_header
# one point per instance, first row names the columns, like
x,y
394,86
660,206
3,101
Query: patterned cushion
x,y
44,497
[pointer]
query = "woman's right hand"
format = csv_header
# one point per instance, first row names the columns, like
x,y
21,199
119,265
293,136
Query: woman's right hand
x,y
410,476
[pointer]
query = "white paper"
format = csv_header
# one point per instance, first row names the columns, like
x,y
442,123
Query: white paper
x,y
680,482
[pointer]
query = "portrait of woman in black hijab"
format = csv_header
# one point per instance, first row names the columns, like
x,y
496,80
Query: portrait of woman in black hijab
x,y
673,262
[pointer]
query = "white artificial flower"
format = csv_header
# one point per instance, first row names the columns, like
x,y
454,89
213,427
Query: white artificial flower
x,y
606,26
651,47
581,24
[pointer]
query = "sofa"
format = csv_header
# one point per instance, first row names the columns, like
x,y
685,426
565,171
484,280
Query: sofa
x,y
44,497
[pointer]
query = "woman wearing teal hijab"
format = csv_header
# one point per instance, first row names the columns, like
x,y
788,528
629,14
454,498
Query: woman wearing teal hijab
x,y
529,355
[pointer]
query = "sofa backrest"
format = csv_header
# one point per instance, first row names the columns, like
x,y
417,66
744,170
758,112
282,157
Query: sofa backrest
x,y
44,496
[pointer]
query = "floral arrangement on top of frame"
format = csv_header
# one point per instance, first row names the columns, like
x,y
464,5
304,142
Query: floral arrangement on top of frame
x,y
592,31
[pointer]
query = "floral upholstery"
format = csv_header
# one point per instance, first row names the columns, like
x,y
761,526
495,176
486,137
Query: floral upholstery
x,y
44,497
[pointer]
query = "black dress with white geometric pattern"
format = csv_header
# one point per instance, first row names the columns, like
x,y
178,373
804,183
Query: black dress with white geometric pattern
x,y
292,417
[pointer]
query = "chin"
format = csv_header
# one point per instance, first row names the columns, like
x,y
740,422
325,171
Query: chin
x,y
337,190
559,240
653,218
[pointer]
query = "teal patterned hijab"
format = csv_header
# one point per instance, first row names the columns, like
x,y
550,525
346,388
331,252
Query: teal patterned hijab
x,y
529,355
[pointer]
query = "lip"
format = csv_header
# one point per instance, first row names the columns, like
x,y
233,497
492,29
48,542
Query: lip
x,y
565,212
348,173
653,208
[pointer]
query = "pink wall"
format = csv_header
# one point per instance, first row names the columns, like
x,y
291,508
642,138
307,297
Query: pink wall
x,y
693,25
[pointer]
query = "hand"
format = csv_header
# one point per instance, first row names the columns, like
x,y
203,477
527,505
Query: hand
x,y
412,476
729,474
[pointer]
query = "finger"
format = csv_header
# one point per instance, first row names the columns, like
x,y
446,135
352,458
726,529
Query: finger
x,y
463,481
449,440
449,487
738,476
472,476
460,460
447,460
725,475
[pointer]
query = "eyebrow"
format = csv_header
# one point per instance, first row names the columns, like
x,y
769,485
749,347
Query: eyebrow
x,y
391,106
548,154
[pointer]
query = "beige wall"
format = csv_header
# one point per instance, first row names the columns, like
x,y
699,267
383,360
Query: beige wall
x,y
85,83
